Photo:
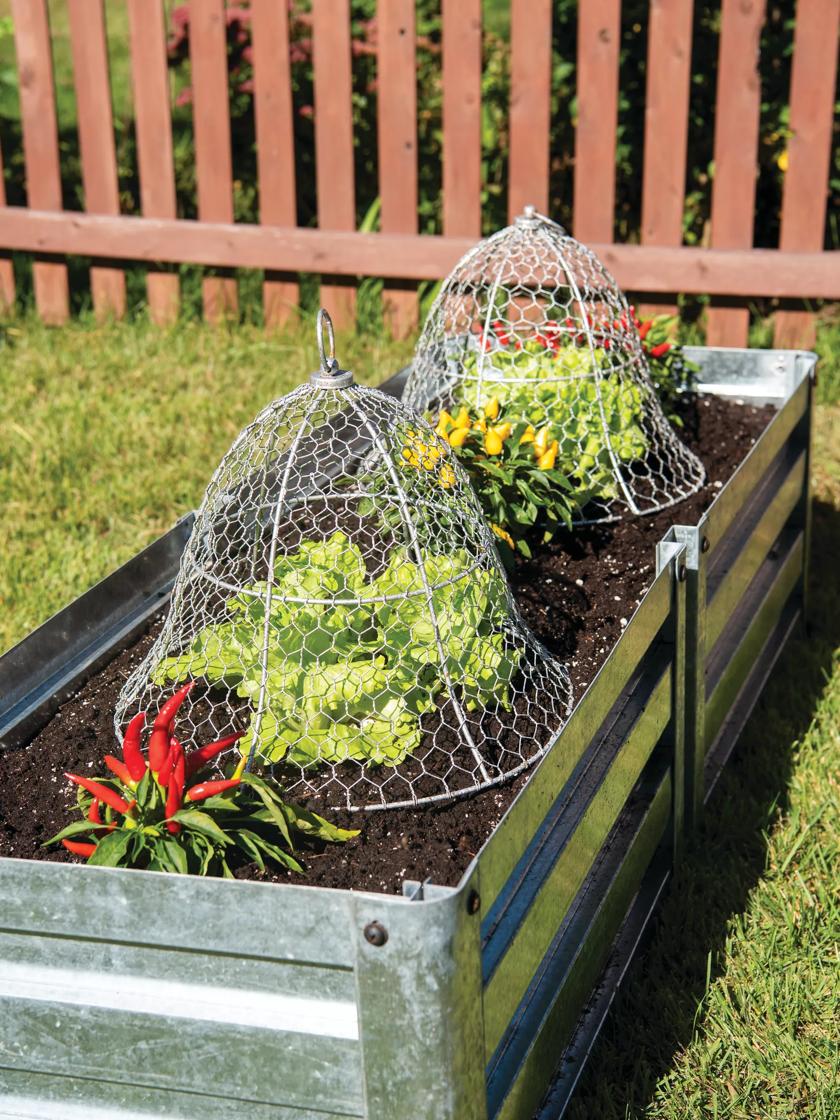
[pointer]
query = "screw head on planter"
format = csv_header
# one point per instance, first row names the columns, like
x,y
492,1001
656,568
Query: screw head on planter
x,y
531,319
341,601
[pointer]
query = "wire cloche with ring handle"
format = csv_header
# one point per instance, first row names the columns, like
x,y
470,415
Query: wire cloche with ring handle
x,y
532,321
341,602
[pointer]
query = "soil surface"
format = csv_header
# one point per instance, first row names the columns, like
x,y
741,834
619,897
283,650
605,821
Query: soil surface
x,y
577,595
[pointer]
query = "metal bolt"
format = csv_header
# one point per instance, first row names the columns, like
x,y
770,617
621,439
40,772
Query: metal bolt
x,y
681,573
705,544
473,902
376,933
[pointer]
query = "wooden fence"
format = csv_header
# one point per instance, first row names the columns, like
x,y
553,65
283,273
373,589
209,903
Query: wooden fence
x,y
729,270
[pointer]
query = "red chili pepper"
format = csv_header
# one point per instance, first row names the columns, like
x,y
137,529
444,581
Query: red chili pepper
x,y
501,332
132,753
165,772
104,793
174,799
119,769
207,789
196,759
170,709
78,848
179,769
644,328
95,817
161,730
661,349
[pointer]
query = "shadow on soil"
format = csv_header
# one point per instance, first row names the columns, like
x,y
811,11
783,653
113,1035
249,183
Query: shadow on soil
x,y
654,1014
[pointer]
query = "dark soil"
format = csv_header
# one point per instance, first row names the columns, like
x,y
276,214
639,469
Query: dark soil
x,y
577,595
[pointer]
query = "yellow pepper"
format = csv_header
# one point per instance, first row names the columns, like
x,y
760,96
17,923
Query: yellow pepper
x,y
503,430
445,422
491,409
462,420
446,477
541,440
480,425
459,437
547,459
528,435
503,535
493,442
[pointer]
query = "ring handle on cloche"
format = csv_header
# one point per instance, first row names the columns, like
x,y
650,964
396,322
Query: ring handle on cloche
x,y
330,375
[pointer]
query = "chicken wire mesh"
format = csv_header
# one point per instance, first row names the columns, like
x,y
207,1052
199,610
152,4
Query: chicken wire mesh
x,y
340,601
531,318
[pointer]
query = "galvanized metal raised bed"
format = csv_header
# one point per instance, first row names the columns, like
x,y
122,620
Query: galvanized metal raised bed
x,y
747,558
132,994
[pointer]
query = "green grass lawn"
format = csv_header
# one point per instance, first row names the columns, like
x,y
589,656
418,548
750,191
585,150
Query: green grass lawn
x,y
109,433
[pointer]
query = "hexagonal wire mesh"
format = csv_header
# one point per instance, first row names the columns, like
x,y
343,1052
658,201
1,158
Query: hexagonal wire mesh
x,y
341,599
530,316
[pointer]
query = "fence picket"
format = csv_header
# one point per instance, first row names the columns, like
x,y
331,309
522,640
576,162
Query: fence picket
x,y
40,145
599,34
805,194
211,123
530,105
7,272
334,169
96,138
153,125
275,142
462,118
738,104
666,126
397,143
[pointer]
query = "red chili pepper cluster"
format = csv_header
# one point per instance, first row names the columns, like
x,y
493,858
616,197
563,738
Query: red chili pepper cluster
x,y
168,765
551,335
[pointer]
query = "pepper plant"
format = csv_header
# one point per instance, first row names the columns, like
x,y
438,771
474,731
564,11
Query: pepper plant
x,y
672,373
144,814
541,441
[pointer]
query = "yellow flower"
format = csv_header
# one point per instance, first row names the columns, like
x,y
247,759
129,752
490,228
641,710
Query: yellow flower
x,y
459,437
541,440
493,442
503,535
528,435
491,409
446,477
547,459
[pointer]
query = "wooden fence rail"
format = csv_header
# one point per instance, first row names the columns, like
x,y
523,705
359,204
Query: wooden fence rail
x,y
730,271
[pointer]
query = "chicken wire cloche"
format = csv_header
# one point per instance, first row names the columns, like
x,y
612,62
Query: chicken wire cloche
x,y
531,323
340,600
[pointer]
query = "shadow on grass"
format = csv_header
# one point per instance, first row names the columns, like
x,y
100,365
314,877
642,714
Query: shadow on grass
x,y
654,1015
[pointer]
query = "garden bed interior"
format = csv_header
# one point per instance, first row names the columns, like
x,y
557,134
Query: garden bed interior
x,y
577,594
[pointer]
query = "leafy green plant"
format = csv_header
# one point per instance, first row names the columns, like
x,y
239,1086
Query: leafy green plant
x,y
144,815
350,680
